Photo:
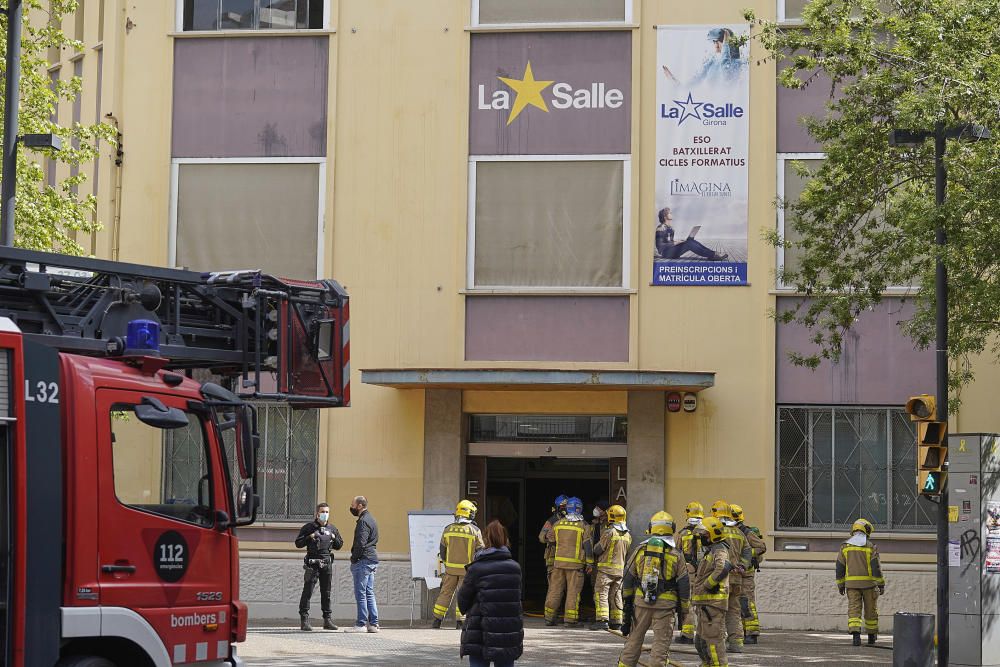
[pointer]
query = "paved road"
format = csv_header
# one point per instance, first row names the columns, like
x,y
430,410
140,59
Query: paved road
x,y
543,647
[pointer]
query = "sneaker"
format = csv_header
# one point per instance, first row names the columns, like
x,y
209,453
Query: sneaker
x,y
872,638
459,624
857,638
328,625
356,628
436,624
373,628
304,626
600,625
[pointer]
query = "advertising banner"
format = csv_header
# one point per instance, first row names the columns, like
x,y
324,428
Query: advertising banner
x,y
702,138
550,93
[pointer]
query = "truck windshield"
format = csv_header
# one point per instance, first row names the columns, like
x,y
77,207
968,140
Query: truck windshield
x,y
163,471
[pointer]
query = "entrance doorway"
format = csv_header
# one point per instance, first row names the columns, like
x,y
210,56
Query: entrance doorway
x,y
520,491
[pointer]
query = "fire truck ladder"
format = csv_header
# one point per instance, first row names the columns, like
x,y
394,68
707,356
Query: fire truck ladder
x,y
273,338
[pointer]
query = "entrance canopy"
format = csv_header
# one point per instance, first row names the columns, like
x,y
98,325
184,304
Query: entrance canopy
x,y
535,379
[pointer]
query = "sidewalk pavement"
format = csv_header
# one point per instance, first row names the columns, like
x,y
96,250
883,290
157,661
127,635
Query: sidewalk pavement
x,y
400,645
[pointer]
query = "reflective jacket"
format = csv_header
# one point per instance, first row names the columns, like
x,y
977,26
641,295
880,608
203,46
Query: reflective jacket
x,y
688,543
573,550
612,551
858,566
711,579
673,585
543,537
758,547
459,543
739,551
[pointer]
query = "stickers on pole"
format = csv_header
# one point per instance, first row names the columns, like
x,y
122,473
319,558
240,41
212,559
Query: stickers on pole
x,y
992,564
954,554
952,513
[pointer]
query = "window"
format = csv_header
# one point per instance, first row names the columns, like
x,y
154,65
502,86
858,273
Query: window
x,y
287,462
836,464
548,222
238,214
790,11
790,187
500,12
252,14
549,428
163,471
79,17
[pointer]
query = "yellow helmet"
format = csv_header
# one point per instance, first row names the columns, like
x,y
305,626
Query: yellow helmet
x,y
736,512
721,510
466,509
661,523
713,526
694,510
616,514
863,524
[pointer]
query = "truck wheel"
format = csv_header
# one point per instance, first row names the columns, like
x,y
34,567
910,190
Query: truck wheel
x,y
84,661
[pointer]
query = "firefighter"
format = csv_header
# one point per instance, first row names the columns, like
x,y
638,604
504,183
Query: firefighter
x,y
710,592
739,556
573,556
610,554
656,583
859,576
320,538
459,543
558,512
751,625
695,513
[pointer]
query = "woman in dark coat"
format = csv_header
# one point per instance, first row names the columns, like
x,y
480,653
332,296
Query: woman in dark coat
x,y
490,597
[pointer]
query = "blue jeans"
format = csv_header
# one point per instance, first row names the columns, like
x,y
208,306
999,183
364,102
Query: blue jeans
x,y
476,661
364,591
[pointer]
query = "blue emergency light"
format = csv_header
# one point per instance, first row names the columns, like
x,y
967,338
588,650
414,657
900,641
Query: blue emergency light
x,y
142,336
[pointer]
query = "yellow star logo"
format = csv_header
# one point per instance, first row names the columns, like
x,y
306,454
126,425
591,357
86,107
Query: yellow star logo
x,y
528,92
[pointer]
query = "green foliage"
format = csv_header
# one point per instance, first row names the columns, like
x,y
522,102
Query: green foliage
x,y
866,220
48,216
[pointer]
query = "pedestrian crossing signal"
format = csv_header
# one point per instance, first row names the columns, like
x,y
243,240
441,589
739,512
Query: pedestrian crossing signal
x,y
932,482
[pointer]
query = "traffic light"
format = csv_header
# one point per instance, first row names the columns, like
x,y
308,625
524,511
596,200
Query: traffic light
x,y
932,452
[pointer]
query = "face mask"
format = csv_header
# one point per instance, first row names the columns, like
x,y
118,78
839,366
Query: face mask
x,y
354,511
597,513
324,516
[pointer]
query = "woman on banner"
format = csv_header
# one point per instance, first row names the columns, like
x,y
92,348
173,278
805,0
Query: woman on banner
x,y
667,248
722,65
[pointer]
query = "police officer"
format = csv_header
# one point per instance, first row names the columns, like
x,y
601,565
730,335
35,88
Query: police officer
x,y
739,556
558,512
859,575
573,554
610,553
319,537
695,513
748,600
656,583
459,543
711,592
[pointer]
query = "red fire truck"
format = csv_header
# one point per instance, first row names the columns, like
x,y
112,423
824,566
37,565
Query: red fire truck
x,y
128,449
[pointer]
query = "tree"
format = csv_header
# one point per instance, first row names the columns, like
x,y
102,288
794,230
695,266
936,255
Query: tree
x,y
48,215
866,220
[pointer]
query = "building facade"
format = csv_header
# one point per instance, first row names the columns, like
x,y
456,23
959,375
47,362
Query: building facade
x,y
487,179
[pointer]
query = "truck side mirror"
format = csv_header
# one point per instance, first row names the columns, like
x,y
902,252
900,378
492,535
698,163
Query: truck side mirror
x,y
153,412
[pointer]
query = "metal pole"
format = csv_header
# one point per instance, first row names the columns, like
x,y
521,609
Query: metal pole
x,y
941,303
8,179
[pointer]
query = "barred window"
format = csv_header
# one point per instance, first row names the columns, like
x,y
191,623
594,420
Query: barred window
x,y
836,464
286,469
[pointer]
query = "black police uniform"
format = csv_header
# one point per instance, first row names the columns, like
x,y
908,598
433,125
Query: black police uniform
x,y
318,563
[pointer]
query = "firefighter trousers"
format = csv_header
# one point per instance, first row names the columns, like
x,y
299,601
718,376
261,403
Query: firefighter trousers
x,y
751,626
734,614
687,625
608,597
570,583
856,599
449,584
658,619
710,640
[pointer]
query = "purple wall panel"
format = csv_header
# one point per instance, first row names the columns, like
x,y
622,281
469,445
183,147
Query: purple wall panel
x,y
879,365
546,328
250,97
792,106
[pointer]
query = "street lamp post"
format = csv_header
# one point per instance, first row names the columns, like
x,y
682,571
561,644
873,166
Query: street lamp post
x,y
8,184
941,134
